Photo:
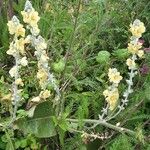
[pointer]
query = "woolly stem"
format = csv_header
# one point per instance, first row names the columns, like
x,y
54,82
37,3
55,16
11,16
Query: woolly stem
x,y
104,123
127,93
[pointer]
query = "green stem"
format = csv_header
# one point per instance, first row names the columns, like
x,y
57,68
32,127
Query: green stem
x,y
67,53
104,123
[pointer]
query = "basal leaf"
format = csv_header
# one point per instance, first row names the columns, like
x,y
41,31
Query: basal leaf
x,y
40,127
41,124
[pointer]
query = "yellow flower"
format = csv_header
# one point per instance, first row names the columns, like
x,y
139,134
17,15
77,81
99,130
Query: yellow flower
x,y
44,58
35,99
105,93
112,97
130,63
137,28
24,61
114,76
19,82
31,17
13,71
20,31
42,75
35,30
26,17
11,50
42,45
17,46
20,45
28,39
16,29
140,53
39,64
34,18
133,48
11,27
112,104
42,83
45,94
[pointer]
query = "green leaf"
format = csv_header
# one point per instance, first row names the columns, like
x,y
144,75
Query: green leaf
x,y
59,66
61,136
23,143
9,145
2,145
103,57
41,125
121,53
121,142
44,109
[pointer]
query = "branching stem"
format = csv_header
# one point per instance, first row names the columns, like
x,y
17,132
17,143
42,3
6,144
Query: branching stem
x,y
104,123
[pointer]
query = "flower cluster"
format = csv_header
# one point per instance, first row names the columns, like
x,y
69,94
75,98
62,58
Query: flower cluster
x,y
137,29
134,47
114,76
131,63
31,18
17,50
111,94
15,28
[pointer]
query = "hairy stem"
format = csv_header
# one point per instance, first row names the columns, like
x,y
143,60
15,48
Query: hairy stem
x,y
104,123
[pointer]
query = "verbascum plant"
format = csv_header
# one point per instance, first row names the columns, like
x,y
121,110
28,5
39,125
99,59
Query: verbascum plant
x,y
111,94
17,50
45,77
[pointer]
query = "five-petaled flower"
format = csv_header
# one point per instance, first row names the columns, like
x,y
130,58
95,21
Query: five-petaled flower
x,y
114,75
137,28
111,96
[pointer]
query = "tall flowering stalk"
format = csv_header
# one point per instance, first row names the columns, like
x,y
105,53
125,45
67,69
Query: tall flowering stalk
x,y
134,47
17,50
45,77
111,94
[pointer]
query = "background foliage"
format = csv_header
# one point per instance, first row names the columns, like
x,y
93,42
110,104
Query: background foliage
x,y
76,31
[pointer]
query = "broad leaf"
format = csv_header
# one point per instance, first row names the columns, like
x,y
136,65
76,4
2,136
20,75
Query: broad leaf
x,y
41,125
